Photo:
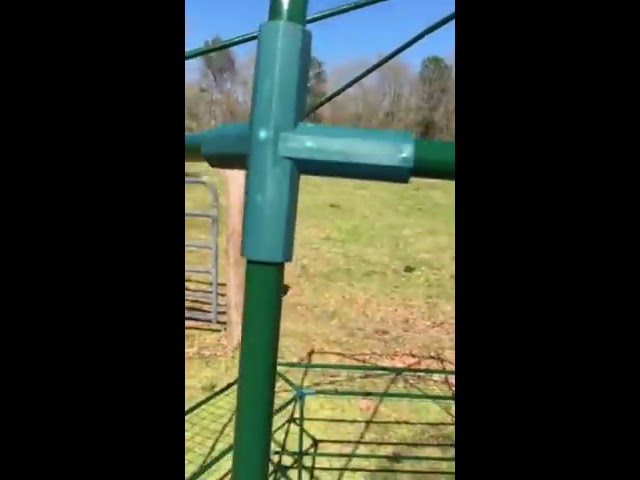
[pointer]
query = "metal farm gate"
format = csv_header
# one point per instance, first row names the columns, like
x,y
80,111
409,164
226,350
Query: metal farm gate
x,y
201,256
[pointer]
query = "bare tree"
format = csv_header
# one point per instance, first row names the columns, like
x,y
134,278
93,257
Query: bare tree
x,y
350,108
394,89
437,98
397,97
316,87
385,99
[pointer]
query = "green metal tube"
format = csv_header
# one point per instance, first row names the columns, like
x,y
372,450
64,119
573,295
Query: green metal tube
x,y
225,146
301,437
294,11
193,146
256,382
367,394
377,456
287,380
434,159
364,368
284,406
261,320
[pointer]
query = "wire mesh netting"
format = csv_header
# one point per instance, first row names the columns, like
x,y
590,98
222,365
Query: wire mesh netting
x,y
208,434
337,421
208,431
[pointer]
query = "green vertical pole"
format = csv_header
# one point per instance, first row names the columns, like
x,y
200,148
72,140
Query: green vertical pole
x,y
294,11
258,356
301,436
263,299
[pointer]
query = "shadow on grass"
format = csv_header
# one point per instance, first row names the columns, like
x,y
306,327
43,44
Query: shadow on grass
x,y
204,326
205,432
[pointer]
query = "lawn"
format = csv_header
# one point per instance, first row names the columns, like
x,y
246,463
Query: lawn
x,y
372,281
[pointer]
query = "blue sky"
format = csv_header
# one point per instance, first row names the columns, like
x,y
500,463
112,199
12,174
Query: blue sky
x,y
356,35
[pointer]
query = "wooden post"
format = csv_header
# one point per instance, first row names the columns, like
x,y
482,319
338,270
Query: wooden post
x,y
235,263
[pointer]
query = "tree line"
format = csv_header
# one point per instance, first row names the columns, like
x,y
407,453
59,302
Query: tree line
x,y
396,96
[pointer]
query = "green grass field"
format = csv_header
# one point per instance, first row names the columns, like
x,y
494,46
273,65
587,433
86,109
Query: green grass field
x,y
372,281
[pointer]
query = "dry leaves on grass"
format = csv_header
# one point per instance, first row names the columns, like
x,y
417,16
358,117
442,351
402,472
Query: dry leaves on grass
x,y
203,342
366,405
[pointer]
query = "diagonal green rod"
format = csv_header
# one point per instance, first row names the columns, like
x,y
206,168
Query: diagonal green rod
x,y
250,37
384,60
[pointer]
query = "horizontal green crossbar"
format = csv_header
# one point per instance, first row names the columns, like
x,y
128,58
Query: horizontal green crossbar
x,y
404,471
449,397
250,37
363,394
372,456
363,368
369,421
340,151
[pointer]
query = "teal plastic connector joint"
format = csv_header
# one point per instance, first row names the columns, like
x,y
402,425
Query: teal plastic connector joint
x,y
302,392
279,95
356,153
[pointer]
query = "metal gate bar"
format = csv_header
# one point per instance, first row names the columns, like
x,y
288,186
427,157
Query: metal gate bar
x,y
211,294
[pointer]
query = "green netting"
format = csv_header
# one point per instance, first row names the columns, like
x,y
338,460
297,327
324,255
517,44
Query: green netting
x,y
208,431
338,421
